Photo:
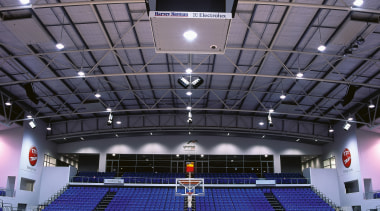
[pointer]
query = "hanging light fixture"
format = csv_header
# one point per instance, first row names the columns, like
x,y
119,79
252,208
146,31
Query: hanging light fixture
x,y
32,124
371,105
97,95
331,130
81,73
270,122
189,118
346,126
186,83
110,117
321,48
8,103
183,82
59,45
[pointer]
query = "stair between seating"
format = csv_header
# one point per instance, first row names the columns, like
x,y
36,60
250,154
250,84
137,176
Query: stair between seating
x,y
105,201
273,202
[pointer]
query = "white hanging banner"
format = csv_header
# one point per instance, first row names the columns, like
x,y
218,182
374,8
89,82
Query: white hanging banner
x,y
202,15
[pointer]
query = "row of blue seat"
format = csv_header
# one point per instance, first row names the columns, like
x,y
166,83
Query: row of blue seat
x,y
137,198
75,198
3,193
233,199
300,199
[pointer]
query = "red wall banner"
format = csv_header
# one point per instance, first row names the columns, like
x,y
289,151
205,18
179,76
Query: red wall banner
x,y
33,155
346,158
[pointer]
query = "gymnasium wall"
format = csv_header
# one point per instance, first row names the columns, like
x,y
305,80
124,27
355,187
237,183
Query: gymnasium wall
x,y
213,145
33,138
355,169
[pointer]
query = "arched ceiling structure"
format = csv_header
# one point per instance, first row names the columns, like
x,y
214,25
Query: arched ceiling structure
x,y
269,43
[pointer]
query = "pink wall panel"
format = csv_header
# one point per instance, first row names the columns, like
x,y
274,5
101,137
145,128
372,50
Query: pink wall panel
x,y
10,151
369,152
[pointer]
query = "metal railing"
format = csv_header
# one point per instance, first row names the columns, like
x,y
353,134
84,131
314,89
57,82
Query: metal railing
x,y
6,206
171,180
7,192
52,198
325,198
372,195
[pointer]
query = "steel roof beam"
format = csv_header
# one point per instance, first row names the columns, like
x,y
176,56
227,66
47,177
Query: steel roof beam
x,y
227,48
198,109
376,86
288,4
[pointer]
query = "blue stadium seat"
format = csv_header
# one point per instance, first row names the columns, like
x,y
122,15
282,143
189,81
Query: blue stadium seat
x,y
78,198
300,199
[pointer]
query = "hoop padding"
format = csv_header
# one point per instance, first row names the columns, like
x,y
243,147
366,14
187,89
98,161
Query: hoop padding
x,y
192,186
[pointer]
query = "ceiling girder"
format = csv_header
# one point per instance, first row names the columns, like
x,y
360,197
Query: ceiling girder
x,y
288,4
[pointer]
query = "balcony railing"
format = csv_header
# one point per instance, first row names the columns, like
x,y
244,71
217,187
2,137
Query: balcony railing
x,y
172,180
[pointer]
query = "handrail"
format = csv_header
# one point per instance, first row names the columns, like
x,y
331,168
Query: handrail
x,y
171,180
7,192
324,197
372,195
8,206
53,197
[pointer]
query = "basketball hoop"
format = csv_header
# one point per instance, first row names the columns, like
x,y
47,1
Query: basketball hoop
x,y
189,187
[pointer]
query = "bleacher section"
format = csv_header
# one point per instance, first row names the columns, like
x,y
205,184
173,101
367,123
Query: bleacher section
x,y
300,199
163,198
147,199
78,198
286,178
230,199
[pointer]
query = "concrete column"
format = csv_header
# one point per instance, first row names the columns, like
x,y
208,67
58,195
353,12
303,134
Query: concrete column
x,y
102,162
277,163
